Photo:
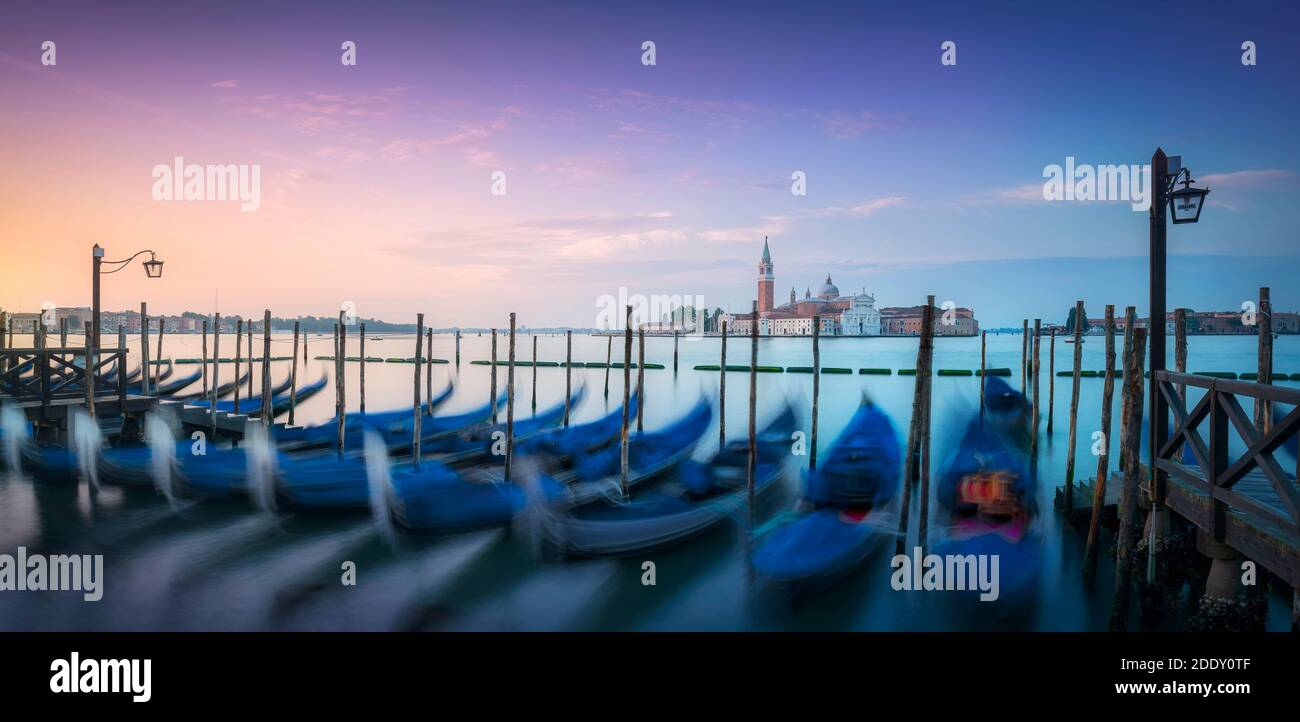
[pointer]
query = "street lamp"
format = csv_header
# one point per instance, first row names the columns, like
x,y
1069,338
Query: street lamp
x,y
1185,206
1185,203
152,269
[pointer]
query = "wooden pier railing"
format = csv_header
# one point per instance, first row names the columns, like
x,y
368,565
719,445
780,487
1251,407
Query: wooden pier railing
x,y
1250,502
48,374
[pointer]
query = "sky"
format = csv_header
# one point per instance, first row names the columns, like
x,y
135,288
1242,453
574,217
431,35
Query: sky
x,y
376,179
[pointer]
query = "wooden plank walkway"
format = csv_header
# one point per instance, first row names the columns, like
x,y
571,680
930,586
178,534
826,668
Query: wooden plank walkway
x,y
1269,538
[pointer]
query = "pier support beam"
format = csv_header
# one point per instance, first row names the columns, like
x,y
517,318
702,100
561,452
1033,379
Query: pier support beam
x,y
1225,606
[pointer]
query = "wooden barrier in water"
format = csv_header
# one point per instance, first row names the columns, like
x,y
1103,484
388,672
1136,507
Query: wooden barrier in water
x,y
913,456
144,345
266,414
1037,363
817,364
340,383
239,353
415,405
627,387
722,391
492,391
159,355
361,384
293,375
1072,442
216,372
640,380
1264,322
609,357
752,465
510,400
984,342
1126,537
568,374
1103,460
1051,380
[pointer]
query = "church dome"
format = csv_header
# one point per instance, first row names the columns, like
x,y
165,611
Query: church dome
x,y
829,291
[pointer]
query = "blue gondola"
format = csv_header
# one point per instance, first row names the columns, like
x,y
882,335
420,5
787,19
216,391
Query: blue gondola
x,y
222,390
389,423
597,477
253,404
438,499
700,496
989,495
845,499
174,385
325,481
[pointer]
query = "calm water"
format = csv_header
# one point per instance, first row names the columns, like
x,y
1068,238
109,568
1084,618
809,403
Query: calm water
x,y
222,565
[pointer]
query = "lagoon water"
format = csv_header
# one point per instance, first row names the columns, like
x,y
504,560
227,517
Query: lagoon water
x,y
223,565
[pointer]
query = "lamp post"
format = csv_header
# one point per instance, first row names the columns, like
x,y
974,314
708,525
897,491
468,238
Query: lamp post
x,y
152,269
1185,207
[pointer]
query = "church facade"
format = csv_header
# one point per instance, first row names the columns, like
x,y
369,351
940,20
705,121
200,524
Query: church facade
x,y
837,315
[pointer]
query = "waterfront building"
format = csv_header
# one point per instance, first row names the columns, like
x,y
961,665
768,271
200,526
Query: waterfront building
x,y
851,315
906,321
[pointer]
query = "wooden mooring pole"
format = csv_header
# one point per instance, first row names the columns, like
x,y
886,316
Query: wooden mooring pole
x,y
817,372
510,399
927,376
1024,358
250,359
428,371
417,431
1036,362
984,369
1180,348
722,391
293,375
158,356
535,375
675,339
493,388
144,347
340,383
239,358
1103,461
91,371
640,379
1264,323
912,460
568,373
1072,442
216,374
609,358
267,416
457,347
627,388
205,358
1127,534
752,466
63,332
1051,380
361,385
1130,323
121,371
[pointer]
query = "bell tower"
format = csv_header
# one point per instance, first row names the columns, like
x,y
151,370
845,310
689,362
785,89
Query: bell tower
x,y
766,280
